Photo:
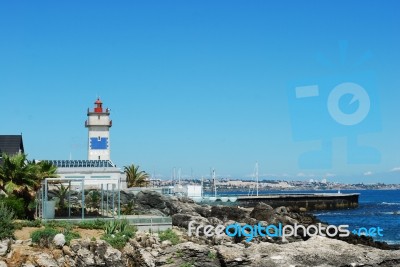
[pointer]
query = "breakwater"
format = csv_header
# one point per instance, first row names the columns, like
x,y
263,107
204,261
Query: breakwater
x,y
303,202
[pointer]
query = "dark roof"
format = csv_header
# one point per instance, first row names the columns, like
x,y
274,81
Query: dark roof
x,y
11,144
82,163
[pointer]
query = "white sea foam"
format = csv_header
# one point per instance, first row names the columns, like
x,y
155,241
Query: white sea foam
x,y
390,203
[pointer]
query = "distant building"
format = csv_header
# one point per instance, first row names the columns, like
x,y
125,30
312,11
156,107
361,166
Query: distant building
x,y
11,145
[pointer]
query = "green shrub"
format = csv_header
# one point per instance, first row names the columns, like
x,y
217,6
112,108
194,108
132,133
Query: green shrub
x,y
93,224
187,264
117,241
111,227
179,253
93,199
44,237
169,261
118,226
123,225
7,226
17,205
211,255
169,235
118,232
35,223
59,224
25,223
69,235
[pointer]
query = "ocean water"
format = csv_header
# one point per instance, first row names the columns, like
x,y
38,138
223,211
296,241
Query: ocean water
x,y
377,208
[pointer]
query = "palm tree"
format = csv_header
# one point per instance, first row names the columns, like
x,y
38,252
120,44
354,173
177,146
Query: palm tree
x,y
46,170
134,177
61,193
22,178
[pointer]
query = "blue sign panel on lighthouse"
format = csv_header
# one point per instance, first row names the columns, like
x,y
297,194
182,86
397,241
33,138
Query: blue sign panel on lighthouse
x,y
96,143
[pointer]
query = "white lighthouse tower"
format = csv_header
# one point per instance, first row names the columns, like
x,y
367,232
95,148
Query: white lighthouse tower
x,y
98,124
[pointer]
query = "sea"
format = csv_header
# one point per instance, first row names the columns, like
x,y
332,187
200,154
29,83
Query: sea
x,y
377,208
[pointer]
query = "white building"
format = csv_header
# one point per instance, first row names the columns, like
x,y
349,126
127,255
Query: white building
x,y
95,172
98,169
98,124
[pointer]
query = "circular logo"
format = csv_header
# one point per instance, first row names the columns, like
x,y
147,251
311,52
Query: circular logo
x,y
359,94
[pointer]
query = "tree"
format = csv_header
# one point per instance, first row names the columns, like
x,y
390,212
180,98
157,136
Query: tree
x,y
93,199
61,193
22,178
136,178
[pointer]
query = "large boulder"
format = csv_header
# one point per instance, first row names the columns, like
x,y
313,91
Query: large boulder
x,y
317,251
95,253
233,255
183,220
188,253
262,212
176,205
126,197
225,213
150,199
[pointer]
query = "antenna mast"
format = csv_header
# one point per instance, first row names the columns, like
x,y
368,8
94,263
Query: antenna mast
x,y
214,182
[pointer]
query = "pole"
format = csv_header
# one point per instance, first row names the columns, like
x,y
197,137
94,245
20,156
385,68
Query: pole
x,y
257,175
113,200
69,198
83,199
107,200
102,201
119,198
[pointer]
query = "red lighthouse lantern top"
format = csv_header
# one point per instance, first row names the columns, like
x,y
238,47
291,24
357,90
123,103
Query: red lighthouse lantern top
x,y
99,106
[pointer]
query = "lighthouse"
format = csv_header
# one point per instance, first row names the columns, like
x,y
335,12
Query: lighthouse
x,y
98,124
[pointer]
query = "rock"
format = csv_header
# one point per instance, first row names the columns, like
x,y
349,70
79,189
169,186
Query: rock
x,y
215,221
232,255
113,257
5,246
262,212
176,205
189,252
150,199
317,251
84,258
204,211
59,240
75,245
220,240
45,260
281,210
146,239
68,251
137,256
183,220
225,213
126,196
166,243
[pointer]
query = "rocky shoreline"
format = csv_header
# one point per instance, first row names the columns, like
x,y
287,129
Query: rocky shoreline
x,y
146,249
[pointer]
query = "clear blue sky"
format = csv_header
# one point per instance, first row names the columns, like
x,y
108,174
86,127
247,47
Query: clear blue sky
x,y
200,84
